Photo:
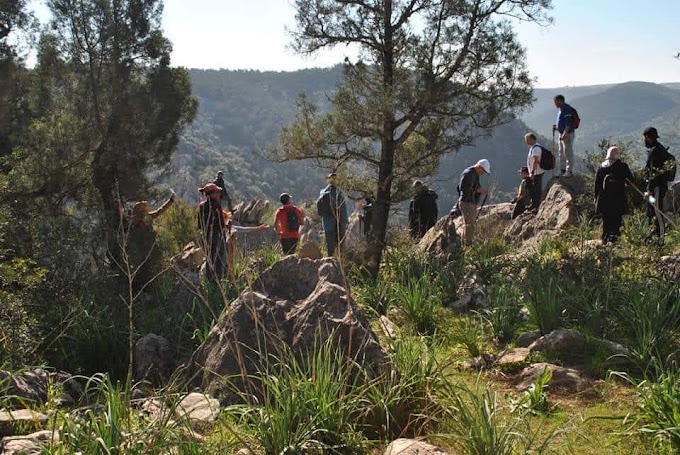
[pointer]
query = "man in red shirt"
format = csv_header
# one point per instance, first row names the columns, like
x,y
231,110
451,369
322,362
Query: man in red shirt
x,y
289,219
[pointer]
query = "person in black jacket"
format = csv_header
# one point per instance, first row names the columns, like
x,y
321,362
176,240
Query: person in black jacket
x,y
213,228
610,194
470,190
423,210
657,183
224,195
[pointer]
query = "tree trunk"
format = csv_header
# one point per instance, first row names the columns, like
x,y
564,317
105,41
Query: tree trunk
x,y
388,147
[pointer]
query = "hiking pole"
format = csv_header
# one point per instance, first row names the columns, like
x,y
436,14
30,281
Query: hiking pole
x,y
654,201
486,196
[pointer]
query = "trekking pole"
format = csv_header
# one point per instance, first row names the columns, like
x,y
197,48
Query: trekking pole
x,y
486,196
657,211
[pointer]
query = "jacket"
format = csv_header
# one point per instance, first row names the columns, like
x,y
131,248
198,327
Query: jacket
x,y
610,188
329,223
468,186
654,168
210,218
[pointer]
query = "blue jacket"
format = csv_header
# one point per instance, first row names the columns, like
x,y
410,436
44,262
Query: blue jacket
x,y
564,117
339,206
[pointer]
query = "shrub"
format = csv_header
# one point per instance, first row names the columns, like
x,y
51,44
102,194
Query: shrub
x,y
421,303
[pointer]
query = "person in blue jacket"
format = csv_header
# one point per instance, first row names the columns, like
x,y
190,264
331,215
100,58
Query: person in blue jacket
x,y
332,208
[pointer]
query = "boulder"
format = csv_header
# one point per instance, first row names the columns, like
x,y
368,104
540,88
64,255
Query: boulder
x,y
557,211
309,250
404,446
388,327
559,340
199,410
32,444
31,386
190,259
441,240
291,308
309,233
16,421
512,356
251,213
563,379
354,245
154,359
525,339
492,221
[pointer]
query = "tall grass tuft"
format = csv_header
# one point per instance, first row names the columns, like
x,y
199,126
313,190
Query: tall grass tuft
x,y
660,410
545,309
420,301
504,315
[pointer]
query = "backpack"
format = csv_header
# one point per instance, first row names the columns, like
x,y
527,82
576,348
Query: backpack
x,y
292,220
670,167
323,205
547,161
575,120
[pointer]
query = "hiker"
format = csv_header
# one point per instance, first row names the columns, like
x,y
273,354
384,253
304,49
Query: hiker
x,y
143,255
423,211
288,220
656,178
224,195
470,191
565,126
522,200
536,172
332,209
213,227
610,194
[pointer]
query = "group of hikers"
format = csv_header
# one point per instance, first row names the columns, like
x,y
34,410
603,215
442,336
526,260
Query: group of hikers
x,y
611,181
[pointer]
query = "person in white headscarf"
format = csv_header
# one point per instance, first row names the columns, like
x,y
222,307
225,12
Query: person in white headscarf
x,y
610,194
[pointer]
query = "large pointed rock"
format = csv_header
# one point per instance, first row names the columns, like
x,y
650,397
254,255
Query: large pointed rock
x,y
441,240
294,306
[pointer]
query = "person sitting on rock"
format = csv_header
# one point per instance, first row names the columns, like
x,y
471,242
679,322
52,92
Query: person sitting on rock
x,y
610,194
522,200
423,210
288,220
470,191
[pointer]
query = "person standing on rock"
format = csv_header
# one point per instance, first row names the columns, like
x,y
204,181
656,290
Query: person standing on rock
x,y
224,195
288,220
423,210
610,194
470,190
656,177
213,227
565,126
332,209
535,185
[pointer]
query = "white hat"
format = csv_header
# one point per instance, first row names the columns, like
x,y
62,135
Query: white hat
x,y
484,165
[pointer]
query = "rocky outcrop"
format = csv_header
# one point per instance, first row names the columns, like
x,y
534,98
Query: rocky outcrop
x,y
571,344
30,387
32,444
557,211
492,221
154,359
190,259
16,421
563,379
404,446
199,410
251,213
441,240
292,308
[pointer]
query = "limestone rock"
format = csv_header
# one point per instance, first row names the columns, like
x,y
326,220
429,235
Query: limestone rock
x,y
309,250
388,327
200,410
525,339
563,379
512,356
154,359
31,386
559,340
441,240
31,444
557,211
292,307
251,213
190,259
404,446
12,422
471,292
492,221
309,232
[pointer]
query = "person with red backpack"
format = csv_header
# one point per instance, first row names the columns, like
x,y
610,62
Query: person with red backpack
x,y
567,123
287,223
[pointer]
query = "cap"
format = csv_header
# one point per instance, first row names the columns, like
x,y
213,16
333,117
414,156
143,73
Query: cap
x,y
524,169
210,188
284,197
417,183
220,173
484,164
651,132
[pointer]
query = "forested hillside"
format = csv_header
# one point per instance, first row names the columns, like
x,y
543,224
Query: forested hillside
x,y
620,112
242,112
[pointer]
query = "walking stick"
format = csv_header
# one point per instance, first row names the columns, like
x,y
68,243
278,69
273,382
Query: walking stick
x,y
486,196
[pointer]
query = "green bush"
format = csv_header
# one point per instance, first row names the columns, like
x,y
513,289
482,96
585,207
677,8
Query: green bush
x,y
421,303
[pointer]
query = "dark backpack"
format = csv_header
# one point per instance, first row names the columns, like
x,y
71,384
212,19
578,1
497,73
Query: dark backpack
x,y
575,120
323,205
547,161
292,220
670,167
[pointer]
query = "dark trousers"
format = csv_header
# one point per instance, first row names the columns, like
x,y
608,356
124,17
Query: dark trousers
x,y
216,263
332,241
520,207
289,245
611,227
535,190
659,193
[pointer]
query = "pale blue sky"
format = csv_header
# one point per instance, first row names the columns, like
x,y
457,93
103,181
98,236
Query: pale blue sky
x,y
591,41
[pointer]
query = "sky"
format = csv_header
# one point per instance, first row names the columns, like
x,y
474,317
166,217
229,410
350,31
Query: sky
x,y
590,41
